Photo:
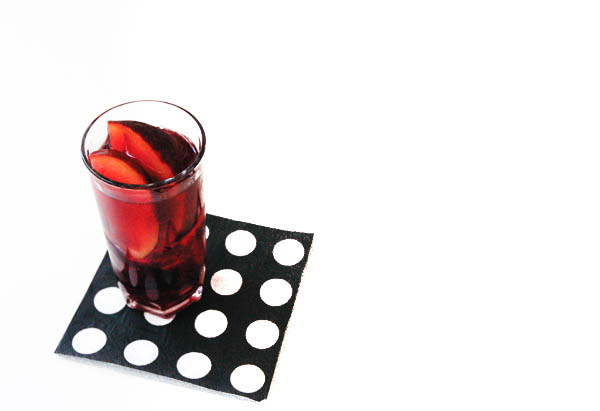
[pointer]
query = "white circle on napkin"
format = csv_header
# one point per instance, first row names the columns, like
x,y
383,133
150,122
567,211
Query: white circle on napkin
x,y
226,282
240,243
247,378
288,252
140,352
193,365
275,292
210,323
88,341
158,321
109,300
262,334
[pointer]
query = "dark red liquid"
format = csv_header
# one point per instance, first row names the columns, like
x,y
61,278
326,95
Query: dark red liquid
x,y
156,236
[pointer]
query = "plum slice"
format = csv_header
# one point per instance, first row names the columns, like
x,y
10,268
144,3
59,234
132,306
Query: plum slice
x,y
132,226
117,167
149,145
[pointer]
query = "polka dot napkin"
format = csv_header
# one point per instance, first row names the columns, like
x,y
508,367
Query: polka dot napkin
x,y
228,341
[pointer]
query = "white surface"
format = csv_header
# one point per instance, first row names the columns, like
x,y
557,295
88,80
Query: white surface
x,y
446,154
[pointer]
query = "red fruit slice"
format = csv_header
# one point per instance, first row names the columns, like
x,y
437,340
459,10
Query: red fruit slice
x,y
130,225
117,167
182,212
143,142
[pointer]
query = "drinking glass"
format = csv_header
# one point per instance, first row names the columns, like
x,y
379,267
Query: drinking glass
x,y
155,232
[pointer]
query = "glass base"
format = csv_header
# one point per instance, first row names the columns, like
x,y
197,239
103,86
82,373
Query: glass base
x,y
169,312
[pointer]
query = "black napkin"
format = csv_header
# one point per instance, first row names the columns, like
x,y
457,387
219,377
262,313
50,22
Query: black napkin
x,y
220,355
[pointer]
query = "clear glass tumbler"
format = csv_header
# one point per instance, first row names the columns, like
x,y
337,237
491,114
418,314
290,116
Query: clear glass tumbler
x,y
145,163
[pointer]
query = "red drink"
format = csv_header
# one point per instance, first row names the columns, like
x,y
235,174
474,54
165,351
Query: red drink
x,y
148,186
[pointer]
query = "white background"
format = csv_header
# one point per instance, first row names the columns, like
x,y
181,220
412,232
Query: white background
x,y
446,154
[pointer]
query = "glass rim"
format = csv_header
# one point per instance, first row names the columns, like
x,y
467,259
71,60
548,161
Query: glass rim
x,y
177,177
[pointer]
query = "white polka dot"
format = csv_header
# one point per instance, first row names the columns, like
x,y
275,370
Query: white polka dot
x,y
247,378
226,282
158,321
207,231
240,243
210,323
141,352
276,292
88,341
262,334
193,365
288,252
109,300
